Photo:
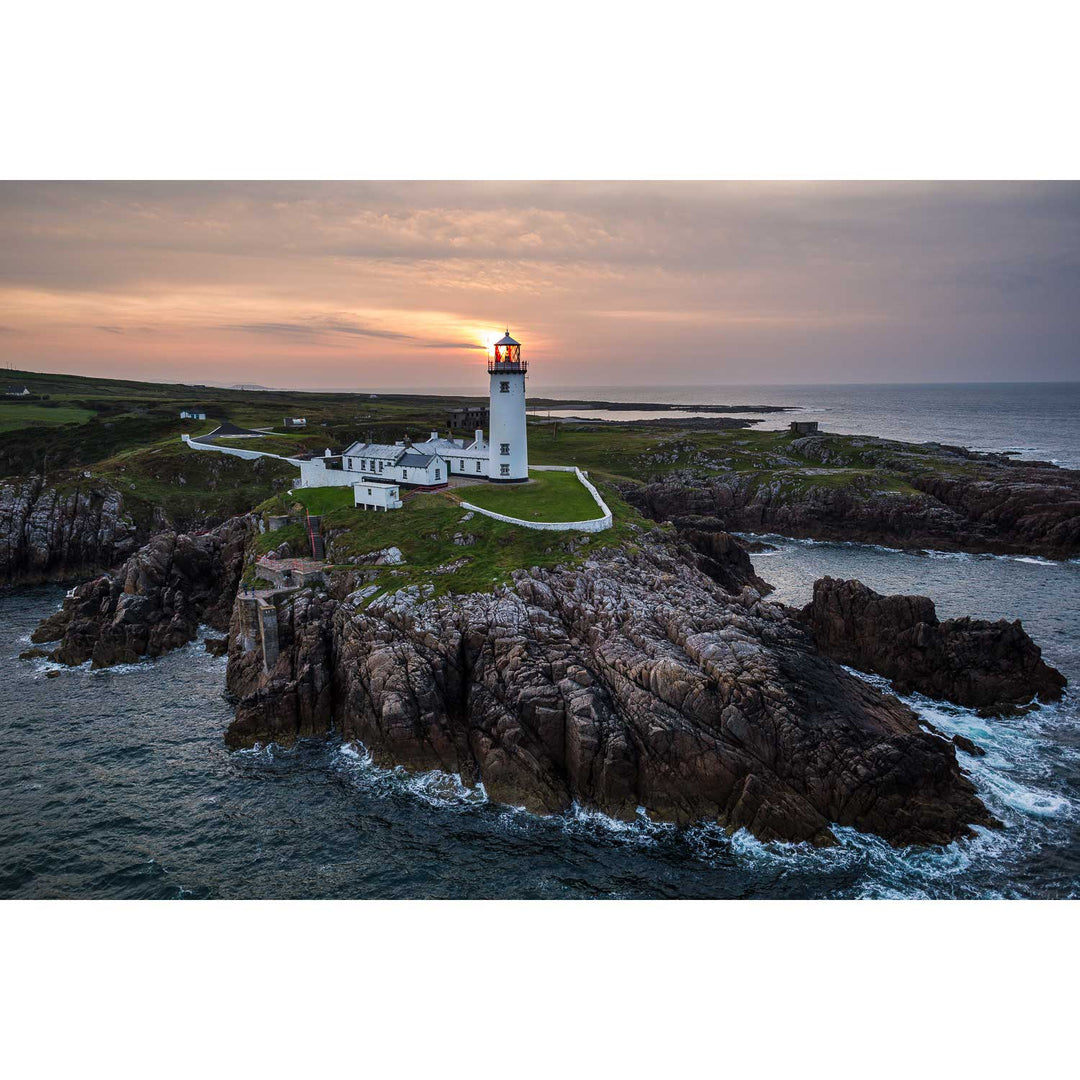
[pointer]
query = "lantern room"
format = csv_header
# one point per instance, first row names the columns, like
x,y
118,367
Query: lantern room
x,y
506,355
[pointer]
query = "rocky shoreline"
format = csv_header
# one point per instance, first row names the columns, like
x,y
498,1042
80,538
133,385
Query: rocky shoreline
x,y
653,675
877,492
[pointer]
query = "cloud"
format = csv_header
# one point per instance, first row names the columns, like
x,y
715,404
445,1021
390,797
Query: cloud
x,y
807,281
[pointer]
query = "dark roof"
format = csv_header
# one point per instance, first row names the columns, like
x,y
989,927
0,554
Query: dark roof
x,y
415,461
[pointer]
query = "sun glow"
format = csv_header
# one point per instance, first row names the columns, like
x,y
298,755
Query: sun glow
x,y
488,339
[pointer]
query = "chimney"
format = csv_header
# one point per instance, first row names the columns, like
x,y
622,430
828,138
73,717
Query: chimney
x,y
479,436
434,436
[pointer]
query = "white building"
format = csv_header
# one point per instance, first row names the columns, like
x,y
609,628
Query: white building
x,y
508,448
502,458
192,414
400,463
505,456
370,495
295,421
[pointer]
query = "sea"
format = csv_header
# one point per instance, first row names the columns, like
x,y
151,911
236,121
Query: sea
x,y
117,783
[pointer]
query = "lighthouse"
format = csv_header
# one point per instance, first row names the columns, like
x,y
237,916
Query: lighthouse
x,y
508,454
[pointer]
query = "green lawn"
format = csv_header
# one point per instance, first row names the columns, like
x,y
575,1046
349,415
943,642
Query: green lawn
x,y
549,496
424,529
14,416
324,499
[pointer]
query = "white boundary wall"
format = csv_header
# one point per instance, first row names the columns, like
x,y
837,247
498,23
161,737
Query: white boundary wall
x,y
247,455
592,525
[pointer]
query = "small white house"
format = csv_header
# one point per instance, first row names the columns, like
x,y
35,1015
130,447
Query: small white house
x,y
415,466
463,457
379,462
370,495
17,391
295,421
192,414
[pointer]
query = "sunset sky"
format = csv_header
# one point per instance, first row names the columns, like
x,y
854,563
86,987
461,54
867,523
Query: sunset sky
x,y
398,285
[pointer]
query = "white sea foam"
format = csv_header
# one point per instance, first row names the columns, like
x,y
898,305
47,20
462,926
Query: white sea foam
x,y
446,791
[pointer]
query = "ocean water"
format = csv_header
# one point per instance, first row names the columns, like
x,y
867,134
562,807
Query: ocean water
x,y
1031,420
117,783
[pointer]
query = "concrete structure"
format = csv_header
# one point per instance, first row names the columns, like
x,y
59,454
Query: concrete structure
x,y
295,421
508,450
259,628
803,427
469,417
192,414
370,495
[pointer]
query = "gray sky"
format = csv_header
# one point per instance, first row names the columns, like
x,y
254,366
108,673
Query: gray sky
x,y
402,284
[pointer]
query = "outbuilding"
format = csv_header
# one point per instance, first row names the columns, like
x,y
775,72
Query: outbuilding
x,y
804,427
369,495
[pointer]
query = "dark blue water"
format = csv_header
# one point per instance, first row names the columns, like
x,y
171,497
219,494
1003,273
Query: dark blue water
x,y
1031,420
117,783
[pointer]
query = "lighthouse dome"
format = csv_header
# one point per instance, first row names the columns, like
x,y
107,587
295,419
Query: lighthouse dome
x,y
507,340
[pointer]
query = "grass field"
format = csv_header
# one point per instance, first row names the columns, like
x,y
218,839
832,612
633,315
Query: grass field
x,y
424,530
549,496
13,417
323,500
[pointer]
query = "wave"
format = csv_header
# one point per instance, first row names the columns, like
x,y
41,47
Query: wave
x,y
443,790
919,553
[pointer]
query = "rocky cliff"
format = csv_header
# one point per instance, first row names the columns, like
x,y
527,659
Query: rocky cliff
x,y
972,662
49,532
155,602
631,681
875,491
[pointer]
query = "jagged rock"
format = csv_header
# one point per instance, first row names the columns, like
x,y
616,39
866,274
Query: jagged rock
x,y
216,646
155,602
724,559
48,532
1006,507
970,662
962,742
632,681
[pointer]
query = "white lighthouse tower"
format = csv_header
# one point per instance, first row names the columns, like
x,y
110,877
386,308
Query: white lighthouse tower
x,y
508,456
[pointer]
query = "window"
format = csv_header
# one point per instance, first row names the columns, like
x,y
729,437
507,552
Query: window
x,y
504,448
504,470
369,491
380,466
438,474
478,465
463,466
404,474
350,465
504,388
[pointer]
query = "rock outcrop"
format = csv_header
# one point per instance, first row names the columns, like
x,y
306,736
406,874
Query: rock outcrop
x,y
971,662
48,532
900,496
155,602
724,558
631,681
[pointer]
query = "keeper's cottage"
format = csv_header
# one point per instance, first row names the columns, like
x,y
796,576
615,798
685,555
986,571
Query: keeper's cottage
x,y
504,458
